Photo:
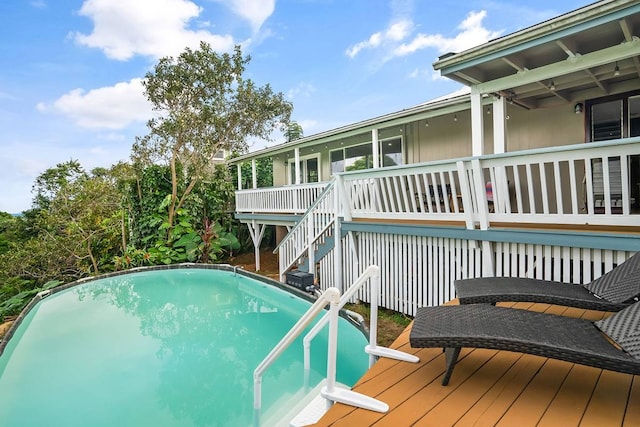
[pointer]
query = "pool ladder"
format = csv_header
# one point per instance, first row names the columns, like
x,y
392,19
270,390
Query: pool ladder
x,y
330,392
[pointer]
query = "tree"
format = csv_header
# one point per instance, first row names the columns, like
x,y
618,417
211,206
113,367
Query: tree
x,y
294,131
203,105
83,216
49,183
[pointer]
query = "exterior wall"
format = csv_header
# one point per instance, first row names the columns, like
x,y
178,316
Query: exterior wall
x,y
279,171
449,136
444,138
546,127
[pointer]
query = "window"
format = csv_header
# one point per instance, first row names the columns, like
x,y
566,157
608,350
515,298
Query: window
x,y
337,161
360,157
606,120
634,116
613,118
309,170
391,152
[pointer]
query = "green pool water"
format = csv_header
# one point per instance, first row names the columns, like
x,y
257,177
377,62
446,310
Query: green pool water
x,y
161,348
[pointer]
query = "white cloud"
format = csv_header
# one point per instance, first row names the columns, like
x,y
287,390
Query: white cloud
x,y
256,12
396,32
152,28
472,33
38,4
112,107
302,89
419,73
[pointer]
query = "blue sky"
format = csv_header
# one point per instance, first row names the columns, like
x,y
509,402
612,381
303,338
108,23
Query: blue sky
x,y
70,70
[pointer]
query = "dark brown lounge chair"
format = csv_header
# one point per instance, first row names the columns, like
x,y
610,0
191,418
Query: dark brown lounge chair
x,y
547,335
613,291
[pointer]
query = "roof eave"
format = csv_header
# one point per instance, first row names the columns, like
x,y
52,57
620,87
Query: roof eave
x,y
536,34
429,109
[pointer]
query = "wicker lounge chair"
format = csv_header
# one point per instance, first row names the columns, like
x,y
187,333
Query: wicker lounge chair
x,y
613,291
558,337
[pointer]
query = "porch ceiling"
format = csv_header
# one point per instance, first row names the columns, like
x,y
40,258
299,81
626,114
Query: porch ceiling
x,y
591,52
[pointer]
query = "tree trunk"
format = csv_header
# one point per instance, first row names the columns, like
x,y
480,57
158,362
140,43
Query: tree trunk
x,y
174,194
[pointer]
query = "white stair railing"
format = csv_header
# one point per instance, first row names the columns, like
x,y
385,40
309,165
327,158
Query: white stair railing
x,y
330,392
309,232
372,275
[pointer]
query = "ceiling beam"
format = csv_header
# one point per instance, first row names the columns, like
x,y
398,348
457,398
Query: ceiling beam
x,y
628,36
467,78
570,51
578,63
512,64
596,81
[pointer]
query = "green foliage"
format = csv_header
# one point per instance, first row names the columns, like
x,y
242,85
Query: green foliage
x,y
12,305
264,173
184,242
144,195
54,180
294,131
132,257
203,105
171,205
8,231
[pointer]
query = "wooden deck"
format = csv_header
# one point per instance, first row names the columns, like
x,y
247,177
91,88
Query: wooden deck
x,y
493,388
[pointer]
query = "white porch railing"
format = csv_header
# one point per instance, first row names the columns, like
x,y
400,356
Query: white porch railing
x,y
576,184
544,193
290,199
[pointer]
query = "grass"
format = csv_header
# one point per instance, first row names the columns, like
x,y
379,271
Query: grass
x,y
390,323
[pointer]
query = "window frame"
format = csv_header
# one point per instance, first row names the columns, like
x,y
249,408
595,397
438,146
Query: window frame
x,y
303,169
381,143
624,97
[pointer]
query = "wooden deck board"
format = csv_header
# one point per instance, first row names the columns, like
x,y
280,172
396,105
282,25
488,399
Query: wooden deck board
x,y
609,400
468,394
534,400
494,404
493,388
632,414
567,409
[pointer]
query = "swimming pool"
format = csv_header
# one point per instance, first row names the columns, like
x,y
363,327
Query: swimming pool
x,y
170,347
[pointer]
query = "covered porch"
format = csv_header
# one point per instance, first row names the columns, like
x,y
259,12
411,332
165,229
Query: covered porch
x,y
571,80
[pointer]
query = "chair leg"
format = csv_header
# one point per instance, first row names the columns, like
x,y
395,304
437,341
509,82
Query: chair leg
x,y
451,357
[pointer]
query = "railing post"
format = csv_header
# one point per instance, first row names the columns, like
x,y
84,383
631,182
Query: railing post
x,y
373,349
488,267
337,230
310,244
344,204
467,197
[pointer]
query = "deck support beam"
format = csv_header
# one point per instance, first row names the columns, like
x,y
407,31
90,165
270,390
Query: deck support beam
x,y
257,232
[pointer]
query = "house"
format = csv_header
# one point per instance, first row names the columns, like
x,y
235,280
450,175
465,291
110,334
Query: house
x,y
532,170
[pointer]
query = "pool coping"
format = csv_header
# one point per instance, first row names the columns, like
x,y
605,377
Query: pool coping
x,y
225,267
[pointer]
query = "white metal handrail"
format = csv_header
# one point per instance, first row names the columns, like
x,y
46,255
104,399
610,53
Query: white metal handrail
x,y
372,275
312,226
334,394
